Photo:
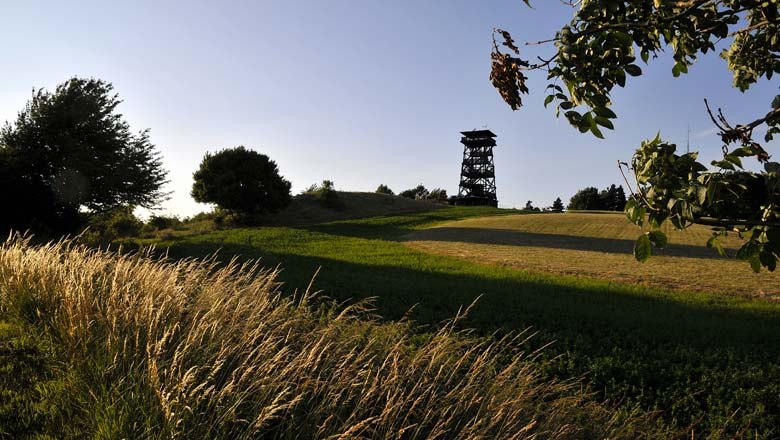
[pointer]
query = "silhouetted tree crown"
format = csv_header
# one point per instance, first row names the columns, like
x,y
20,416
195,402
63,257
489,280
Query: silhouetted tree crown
x,y
585,199
557,205
609,199
613,198
326,194
529,206
420,192
438,194
69,152
384,189
242,181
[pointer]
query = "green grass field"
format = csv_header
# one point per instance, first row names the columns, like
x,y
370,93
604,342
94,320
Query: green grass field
x,y
706,362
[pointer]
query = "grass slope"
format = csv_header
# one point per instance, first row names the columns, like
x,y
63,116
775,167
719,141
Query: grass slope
x,y
597,245
106,346
306,209
710,363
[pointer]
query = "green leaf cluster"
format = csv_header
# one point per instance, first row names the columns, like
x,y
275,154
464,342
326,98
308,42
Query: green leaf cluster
x,y
681,190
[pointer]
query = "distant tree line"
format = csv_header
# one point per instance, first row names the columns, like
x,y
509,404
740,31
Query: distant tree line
x,y
557,206
420,192
590,198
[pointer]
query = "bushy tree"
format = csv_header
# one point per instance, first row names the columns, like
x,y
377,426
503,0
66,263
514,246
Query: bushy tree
x,y
438,194
384,189
241,181
69,152
586,199
557,205
418,193
599,49
613,198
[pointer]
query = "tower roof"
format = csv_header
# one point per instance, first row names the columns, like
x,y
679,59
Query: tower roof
x,y
478,133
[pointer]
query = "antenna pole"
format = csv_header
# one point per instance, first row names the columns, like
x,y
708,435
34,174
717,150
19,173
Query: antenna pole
x,y
688,144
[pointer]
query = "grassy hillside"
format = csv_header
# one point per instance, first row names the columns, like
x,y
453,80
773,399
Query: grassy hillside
x,y
597,245
96,345
708,363
306,209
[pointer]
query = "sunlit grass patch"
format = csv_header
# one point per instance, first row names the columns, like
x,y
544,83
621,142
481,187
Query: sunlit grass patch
x,y
598,246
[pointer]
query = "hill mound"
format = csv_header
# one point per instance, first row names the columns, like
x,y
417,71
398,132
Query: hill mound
x,y
307,209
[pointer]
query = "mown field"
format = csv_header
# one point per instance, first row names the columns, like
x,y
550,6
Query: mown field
x,y
705,361
598,245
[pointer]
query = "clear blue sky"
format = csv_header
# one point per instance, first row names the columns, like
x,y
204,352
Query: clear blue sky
x,y
359,92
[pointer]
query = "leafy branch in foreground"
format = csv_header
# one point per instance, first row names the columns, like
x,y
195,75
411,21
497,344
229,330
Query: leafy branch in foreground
x,y
681,190
598,50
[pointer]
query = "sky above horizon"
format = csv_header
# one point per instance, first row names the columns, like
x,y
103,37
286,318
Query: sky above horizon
x,y
359,92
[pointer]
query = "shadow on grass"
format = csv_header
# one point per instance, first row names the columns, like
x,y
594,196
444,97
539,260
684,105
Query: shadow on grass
x,y
394,228
512,300
507,237
696,360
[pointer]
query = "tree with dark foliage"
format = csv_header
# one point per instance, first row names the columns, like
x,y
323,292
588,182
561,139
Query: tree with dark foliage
x,y
590,199
438,195
586,199
557,205
384,189
420,192
529,206
241,181
613,198
326,194
599,49
68,153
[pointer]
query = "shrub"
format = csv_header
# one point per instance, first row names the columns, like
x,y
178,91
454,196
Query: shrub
x,y
188,349
159,222
326,194
109,226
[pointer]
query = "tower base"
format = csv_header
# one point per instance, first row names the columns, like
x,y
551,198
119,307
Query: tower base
x,y
475,201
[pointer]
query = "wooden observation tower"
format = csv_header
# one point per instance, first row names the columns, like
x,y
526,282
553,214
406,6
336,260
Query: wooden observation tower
x,y
477,173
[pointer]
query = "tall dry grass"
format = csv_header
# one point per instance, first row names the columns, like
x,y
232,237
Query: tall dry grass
x,y
192,349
